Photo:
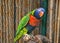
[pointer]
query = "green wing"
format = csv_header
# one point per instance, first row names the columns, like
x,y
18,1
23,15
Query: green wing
x,y
24,22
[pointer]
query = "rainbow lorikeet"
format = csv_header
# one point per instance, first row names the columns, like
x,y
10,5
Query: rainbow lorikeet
x,y
29,22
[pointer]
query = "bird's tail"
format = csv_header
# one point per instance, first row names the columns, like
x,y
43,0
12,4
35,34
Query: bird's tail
x,y
21,33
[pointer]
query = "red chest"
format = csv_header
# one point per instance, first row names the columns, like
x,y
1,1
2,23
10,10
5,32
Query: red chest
x,y
33,21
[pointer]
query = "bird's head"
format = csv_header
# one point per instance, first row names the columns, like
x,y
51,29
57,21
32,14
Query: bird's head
x,y
39,12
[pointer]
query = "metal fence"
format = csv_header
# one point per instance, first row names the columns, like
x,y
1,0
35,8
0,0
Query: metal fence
x,y
11,12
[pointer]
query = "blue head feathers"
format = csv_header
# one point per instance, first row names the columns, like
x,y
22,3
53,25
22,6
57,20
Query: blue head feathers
x,y
36,13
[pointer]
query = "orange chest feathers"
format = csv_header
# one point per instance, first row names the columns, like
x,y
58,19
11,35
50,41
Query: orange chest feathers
x,y
33,21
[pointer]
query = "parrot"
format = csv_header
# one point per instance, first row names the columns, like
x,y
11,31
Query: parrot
x,y
28,23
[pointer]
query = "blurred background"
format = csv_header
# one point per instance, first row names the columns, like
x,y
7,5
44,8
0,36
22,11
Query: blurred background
x,y
11,12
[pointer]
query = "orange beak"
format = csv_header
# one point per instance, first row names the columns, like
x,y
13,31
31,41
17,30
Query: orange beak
x,y
41,14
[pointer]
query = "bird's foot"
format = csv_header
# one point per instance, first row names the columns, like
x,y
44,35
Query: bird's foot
x,y
26,37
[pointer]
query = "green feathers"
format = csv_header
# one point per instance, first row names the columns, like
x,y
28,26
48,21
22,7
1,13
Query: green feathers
x,y
22,23
21,33
20,29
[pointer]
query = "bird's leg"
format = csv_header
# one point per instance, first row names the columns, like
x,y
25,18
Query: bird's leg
x,y
26,37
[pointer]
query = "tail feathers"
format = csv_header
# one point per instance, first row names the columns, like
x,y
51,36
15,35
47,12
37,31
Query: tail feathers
x,y
18,37
21,33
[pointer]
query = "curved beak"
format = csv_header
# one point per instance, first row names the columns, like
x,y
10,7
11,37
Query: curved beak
x,y
41,13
